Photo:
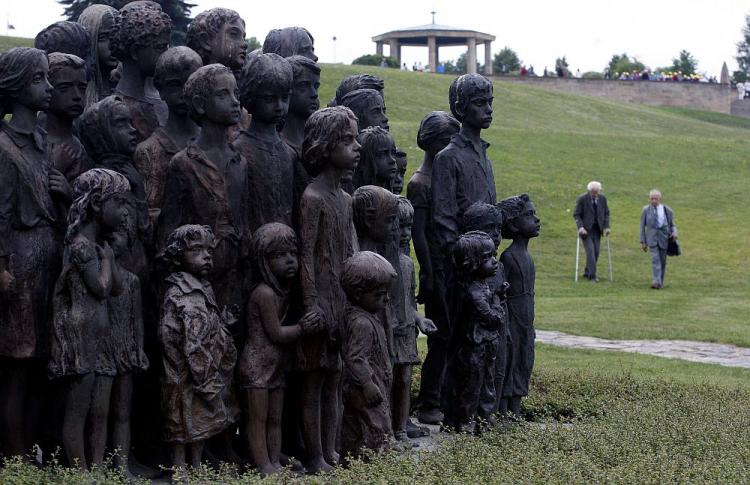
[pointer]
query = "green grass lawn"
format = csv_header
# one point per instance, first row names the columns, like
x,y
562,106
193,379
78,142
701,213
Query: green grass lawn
x,y
8,42
551,144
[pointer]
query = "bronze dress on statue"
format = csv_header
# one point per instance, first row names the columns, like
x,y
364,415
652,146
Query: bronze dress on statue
x,y
198,356
31,240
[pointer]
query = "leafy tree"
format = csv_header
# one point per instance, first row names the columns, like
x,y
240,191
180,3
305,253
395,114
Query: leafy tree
x,y
685,63
461,64
253,43
374,60
592,75
561,67
450,67
506,61
623,63
743,53
178,10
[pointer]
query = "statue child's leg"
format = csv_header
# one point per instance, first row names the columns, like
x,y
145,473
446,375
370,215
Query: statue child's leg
x,y
12,399
515,406
255,429
77,404
330,415
312,386
400,399
122,398
275,410
99,417
196,453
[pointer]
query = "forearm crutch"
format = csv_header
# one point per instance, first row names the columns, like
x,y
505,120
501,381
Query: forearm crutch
x,y
609,258
578,252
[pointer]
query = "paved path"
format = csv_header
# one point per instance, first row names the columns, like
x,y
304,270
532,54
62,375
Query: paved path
x,y
704,352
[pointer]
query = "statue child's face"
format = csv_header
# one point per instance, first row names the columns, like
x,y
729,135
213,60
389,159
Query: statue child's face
x,y
283,264
398,180
488,265
222,105
384,164
269,105
124,135
374,115
37,95
70,87
228,47
147,56
478,110
114,211
304,101
527,223
170,90
305,46
404,232
383,226
197,258
345,155
373,300
492,229
107,61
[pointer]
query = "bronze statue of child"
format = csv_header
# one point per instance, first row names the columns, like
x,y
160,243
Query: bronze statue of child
x,y
123,348
327,239
198,352
265,360
462,173
99,20
401,164
152,156
435,132
275,174
356,81
67,74
366,278
65,37
140,36
488,219
81,323
107,133
206,182
405,354
479,319
304,100
290,41
33,203
520,223
368,106
218,36
377,163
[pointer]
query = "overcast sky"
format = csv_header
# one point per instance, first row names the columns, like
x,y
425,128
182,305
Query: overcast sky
x,y
588,32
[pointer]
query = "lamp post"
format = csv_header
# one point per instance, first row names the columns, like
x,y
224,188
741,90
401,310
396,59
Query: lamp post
x,y
334,49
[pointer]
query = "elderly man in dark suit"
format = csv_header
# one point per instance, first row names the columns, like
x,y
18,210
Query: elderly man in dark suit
x,y
592,219
657,228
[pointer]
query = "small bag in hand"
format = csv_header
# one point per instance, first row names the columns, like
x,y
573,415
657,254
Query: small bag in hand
x,y
673,249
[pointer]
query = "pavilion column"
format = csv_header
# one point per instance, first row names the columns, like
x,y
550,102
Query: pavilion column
x,y
395,50
432,53
379,48
471,56
488,58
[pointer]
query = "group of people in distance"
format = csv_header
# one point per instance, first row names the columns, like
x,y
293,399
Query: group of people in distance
x,y
189,244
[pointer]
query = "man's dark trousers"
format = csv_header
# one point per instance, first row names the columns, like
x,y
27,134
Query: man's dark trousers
x,y
591,245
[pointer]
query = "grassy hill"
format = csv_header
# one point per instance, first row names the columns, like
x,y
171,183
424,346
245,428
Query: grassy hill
x,y
7,42
550,145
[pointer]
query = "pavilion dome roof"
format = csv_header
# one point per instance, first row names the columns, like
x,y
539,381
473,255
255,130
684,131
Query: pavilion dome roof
x,y
445,34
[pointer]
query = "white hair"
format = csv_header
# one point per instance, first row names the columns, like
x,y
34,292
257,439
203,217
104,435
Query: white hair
x,y
594,185
653,193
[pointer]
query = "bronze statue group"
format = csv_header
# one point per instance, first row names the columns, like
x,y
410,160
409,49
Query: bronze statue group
x,y
196,256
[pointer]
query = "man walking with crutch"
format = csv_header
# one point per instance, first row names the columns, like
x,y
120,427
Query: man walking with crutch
x,y
592,219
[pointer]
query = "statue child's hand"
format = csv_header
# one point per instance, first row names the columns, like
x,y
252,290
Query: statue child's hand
x,y
503,290
310,323
7,281
372,394
229,315
426,326
59,185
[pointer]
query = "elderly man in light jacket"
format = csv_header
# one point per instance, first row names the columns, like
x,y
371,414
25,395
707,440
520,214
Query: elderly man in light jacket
x,y
657,228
